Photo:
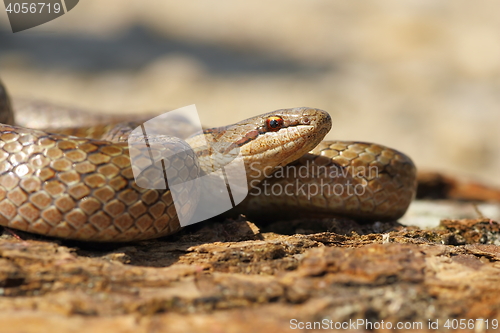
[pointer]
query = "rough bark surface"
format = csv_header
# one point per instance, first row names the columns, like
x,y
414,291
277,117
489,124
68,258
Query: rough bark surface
x,y
233,277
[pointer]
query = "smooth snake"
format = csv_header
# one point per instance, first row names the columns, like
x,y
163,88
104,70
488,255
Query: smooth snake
x,y
78,183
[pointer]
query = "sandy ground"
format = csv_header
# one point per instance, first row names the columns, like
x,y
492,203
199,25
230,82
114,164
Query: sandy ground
x,y
419,76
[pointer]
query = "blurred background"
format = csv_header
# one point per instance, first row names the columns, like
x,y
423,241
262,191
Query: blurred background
x,y
421,76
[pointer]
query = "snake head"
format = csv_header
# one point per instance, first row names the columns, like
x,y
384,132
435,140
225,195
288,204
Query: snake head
x,y
270,140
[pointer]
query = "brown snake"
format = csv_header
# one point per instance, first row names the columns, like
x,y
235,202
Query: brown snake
x,y
83,187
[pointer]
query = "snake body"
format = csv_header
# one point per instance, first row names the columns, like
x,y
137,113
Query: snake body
x,y
83,188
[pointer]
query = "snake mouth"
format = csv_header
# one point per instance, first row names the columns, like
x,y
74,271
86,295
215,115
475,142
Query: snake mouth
x,y
268,142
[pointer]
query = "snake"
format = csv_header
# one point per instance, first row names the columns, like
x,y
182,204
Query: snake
x,y
77,182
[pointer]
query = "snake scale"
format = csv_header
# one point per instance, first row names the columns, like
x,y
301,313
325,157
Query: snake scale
x,y
81,186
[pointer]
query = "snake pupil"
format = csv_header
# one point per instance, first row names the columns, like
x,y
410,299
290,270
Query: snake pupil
x,y
274,123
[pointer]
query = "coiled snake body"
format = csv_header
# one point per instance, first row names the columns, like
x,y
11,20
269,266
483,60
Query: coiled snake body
x,y
83,187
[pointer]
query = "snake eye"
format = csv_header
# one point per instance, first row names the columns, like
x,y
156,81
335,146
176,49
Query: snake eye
x,y
274,123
